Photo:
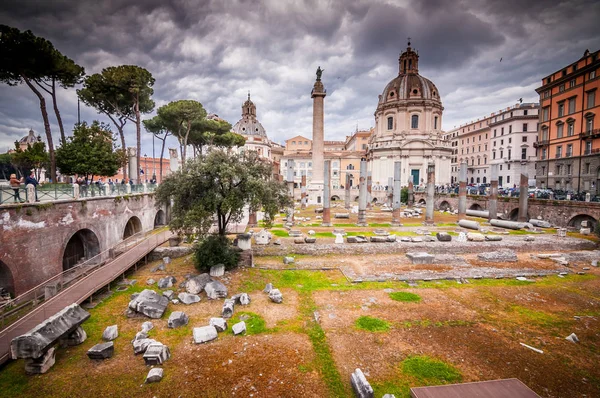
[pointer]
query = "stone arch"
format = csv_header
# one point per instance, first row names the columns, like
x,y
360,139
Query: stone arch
x,y
334,198
7,281
374,200
133,226
82,245
578,219
476,206
422,202
160,219
356,199
514,214
445,205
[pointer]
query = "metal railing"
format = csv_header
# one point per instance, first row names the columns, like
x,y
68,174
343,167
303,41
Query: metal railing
x,y
12,310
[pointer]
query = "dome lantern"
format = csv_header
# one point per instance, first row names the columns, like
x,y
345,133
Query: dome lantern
x,y
408,61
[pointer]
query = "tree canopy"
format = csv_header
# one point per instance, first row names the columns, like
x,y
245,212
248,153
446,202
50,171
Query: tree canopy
x,y
34,157
156,126
89,152
122,93
220,185
178,118
26,58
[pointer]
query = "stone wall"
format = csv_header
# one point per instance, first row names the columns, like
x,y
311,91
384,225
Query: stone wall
x,y
34,236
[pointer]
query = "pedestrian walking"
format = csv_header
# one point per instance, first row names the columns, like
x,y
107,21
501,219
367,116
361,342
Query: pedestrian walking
x,y
15,184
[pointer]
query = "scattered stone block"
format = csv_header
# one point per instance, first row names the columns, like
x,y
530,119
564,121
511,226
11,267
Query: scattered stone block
x,y
429,238
228,307
188,299
500,256
585,231
177,319
150,282
156,354
217,270
475,237
360,385
299,241
572,338
311,232
110,333
140,336
339,239
101,351
215,290
288,260
38,340
493,238
381,232
147,326
416,239
277,242
528,238
341,215
140,346
239,328
462,237
378,239
351,239
149,303
268,288
241,298
390,238
219,323
420,257
169,294
167,282
263,237
197,283
154,375
405,239
204,334
295,233
276,296
38,366
74,338
310,240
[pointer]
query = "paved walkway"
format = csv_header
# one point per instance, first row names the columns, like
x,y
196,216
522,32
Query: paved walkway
x,y
80,290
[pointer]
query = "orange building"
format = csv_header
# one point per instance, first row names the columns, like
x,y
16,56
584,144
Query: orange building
x,y
569,134
149,166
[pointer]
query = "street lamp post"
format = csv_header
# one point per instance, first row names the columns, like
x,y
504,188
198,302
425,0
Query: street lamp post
x,y
146,165
153,161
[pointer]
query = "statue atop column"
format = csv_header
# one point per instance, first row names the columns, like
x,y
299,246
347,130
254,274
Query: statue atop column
x,y
319,73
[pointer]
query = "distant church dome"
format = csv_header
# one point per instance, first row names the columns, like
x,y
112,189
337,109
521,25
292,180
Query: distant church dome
x,y
29,139
249,124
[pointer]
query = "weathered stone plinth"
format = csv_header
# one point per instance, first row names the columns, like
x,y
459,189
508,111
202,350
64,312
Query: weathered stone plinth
x,y
149,303
42,364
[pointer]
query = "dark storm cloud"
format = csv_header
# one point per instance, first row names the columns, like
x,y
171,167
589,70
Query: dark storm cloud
x,y
214,51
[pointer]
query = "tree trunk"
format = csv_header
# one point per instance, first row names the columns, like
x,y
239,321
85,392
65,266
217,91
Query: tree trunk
x,y
46,128
162,151
138,131
119,127
58,118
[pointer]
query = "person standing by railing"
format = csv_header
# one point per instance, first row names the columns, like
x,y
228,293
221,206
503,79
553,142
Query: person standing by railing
x,y
15,184
32,181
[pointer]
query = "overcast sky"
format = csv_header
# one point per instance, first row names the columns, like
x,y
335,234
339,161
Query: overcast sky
x,y
216,51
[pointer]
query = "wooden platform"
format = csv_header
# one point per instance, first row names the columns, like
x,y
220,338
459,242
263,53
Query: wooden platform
x,y
505,388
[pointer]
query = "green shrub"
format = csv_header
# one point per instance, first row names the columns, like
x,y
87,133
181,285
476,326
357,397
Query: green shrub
x,y
215,250
430,371
405,296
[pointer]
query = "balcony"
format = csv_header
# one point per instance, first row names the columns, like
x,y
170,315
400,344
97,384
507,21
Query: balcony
x,y
540,143
569,154
558,156
595,133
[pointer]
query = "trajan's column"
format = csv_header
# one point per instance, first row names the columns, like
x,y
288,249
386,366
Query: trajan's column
x,y
315,189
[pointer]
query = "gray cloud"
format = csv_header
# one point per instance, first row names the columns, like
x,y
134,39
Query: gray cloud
x,y
215,51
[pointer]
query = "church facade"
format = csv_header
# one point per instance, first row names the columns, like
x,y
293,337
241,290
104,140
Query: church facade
x,y
408,128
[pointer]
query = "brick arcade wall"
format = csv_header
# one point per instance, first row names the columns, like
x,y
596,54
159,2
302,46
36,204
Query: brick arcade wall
x,y
560,213
34,236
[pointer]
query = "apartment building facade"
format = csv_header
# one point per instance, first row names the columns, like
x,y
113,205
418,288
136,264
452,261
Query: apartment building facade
x,y
569,137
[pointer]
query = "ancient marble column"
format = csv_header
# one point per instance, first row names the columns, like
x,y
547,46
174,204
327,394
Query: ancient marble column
x,y
347,192
430,193
290,181
523,197
327,194
411,195
315,188
493,199
252,219
133,166
303,192
462,191
362,195
369,189
396,195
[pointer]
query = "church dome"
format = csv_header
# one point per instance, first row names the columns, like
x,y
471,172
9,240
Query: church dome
x,y
249,124
409,85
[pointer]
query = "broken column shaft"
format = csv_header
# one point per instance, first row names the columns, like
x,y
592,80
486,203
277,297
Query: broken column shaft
x,y
303,192
362,194
327,194
523,197
430,193
347,192
462,191
396,195
493,199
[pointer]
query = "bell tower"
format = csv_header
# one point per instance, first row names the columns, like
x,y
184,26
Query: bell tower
x,y
248,108
408,61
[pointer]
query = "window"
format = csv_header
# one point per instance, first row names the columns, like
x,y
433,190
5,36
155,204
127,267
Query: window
x,y
559,130
570,129
544,114
467,140
494,155
510,129
309,164
494,132
485,147
546,93
561,109
495,143
305,142
501,142
591,99
559,151
501,154
524,139
510,140
508,166
588,147
414,122
593,74
589,124
525,112
586,170
507,179
544,152
572,83
572,105
479,138
293,142
569,150
509,156
524,127
561,88
302,165
568,169
523,153
502,131
435,121
478,161
390,121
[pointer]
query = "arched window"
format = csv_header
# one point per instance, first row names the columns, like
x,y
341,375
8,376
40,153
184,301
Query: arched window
x,y
390,121
435,122
414,122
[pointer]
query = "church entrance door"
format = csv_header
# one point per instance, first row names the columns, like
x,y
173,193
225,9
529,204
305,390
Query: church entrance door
x,y
415,176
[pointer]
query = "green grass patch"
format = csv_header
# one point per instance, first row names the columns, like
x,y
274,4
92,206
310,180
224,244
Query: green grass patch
x,y
344,225
324,235
362,233
406,297
372,324
380,225
539,318
255,324
518,232
430,371
280,233
447,224
262,224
